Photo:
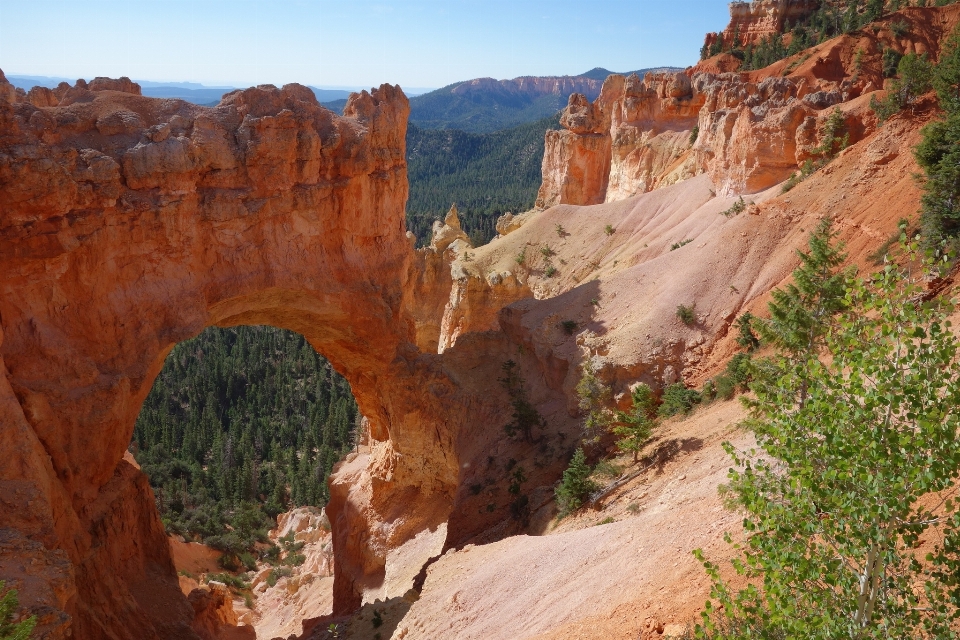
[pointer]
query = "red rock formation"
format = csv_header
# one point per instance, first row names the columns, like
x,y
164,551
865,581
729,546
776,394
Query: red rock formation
x,y
130,224
214,616
620,144
752,21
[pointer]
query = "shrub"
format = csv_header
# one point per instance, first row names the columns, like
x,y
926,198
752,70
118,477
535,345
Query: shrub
x,y
575,485
726,387
899,28
738,207
738,368
609,230
547,252
521,257
561,231
677,399
569,326
747,338
694,134
686,314
9,603
834,137
550,271
891,58
248,561
682,243
709,392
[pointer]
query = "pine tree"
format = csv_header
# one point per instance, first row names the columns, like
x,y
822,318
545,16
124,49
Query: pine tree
x,y
575,485
635,427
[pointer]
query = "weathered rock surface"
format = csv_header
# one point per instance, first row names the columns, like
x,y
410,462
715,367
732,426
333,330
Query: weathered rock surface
x,y
755,20
214,617
753,129
129,224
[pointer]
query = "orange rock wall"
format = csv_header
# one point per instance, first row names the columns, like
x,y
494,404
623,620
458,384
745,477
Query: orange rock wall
x,y
752,21
129,224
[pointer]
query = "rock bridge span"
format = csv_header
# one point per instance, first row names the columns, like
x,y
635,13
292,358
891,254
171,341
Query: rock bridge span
x,y
128,224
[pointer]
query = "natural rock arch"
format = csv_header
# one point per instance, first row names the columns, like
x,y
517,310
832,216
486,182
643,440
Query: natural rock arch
x,y
129,224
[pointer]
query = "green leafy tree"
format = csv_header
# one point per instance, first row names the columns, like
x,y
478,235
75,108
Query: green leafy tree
x,y
634,427
10,630
575,485
847,481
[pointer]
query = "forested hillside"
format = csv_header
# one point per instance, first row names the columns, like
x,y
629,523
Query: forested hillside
x,y
485,174
241,423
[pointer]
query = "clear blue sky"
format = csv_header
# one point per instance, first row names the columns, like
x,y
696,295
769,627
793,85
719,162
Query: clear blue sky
x,y
414,43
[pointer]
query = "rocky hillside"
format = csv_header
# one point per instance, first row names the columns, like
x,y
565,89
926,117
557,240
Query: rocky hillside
x,y
131,224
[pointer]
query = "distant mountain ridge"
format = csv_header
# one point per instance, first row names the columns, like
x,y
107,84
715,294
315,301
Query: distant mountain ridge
x,y
194,92
485,105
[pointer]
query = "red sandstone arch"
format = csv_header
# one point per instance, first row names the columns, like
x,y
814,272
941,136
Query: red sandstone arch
x,y
128,224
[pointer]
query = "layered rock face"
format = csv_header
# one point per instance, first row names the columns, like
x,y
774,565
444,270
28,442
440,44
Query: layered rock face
x,y
129,224
753,130
753,21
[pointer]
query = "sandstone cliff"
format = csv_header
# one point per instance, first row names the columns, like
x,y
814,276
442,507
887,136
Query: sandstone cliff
x,y
131,223
755,20
752,129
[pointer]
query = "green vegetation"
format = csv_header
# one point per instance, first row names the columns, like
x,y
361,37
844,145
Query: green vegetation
x,y
694,134
737,207
682,243
687,314
856,420
938,154
10,630
486,175
575,485
677,399
914,78
609,230
634,427
593,399
746,337
525,415
241,424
